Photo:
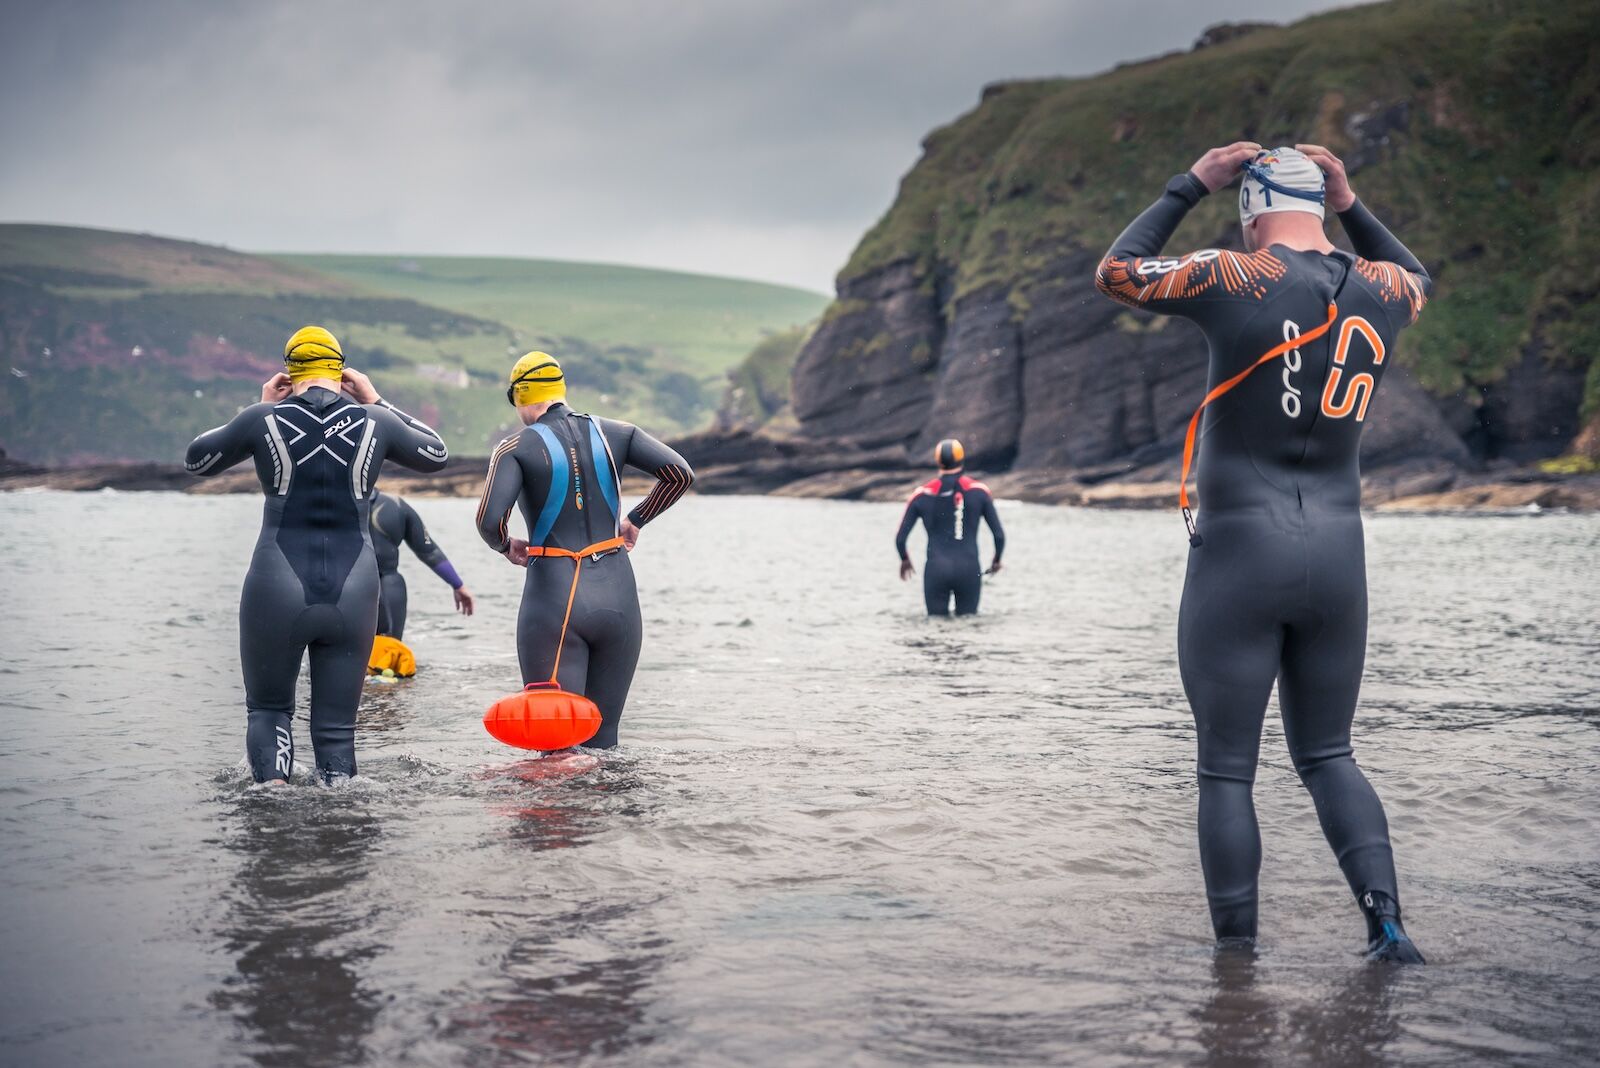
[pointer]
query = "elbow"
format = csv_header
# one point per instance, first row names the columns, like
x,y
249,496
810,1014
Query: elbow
x,y
432,457
688,474
199,460
1111,278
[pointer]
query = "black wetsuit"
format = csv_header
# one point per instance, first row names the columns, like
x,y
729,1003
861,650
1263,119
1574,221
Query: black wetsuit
x,y
949,507
564,471
1277,590
313,581
393,521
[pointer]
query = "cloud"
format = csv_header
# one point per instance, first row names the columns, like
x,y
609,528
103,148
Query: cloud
x,y
752,139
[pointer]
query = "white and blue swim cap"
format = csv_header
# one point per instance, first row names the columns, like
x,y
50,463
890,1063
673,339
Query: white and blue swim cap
x,y
1281,179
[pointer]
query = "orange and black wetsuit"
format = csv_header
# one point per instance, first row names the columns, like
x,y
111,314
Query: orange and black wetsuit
x,y
1276,589
949,507
564,471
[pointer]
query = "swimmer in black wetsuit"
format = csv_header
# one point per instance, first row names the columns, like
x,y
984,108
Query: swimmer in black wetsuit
x,y
313,581
564,470
1276,589
393,521
949,507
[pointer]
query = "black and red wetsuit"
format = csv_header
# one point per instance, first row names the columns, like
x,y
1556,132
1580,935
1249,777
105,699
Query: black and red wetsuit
x,y
1277,589
949,507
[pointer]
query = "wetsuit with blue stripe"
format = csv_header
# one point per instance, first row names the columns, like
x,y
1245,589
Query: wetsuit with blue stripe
x,y
949,507
394,522
313,581
1276,589
564,472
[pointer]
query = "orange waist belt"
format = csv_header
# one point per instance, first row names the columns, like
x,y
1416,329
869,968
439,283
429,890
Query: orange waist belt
x,y
544,716
1194,421
593,552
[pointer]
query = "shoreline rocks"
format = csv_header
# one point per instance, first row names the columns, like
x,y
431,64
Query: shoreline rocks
x,y
757,463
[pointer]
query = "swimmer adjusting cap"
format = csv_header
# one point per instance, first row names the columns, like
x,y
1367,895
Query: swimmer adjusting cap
x,y
949,455
312,352
536,378
1281,179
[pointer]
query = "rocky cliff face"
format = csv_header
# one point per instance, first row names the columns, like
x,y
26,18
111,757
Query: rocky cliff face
x,y
970,310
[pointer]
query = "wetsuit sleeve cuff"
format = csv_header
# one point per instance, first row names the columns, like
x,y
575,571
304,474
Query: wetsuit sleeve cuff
x,y
633,517
1187,188
447,571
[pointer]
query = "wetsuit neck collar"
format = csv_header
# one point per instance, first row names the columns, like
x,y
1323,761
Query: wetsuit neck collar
x,y
558,408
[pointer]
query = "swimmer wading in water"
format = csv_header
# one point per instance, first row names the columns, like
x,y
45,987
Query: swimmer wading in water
x,y
394,522
318,439
564,470
949,507
1299,335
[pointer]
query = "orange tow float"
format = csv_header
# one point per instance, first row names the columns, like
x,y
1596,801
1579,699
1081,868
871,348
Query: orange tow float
x,y
544,716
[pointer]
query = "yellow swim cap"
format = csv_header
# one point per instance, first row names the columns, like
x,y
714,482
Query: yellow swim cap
x,y
312,352
536,378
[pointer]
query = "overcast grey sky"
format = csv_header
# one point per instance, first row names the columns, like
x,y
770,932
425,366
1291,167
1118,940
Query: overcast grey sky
x,y
739,137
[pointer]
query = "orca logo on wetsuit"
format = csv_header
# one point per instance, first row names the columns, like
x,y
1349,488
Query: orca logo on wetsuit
x,y
1168,265
1291,365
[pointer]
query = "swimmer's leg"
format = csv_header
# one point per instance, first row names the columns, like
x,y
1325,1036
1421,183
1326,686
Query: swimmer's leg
x,y
340,652
936,588
338,672
392,606
1228,655
613,658
1320,683
271,660
968,589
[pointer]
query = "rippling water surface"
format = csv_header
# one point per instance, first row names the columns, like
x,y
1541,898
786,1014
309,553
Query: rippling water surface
x,y
836,833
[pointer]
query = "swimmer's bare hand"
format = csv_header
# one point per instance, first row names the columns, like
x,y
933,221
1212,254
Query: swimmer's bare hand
x,y
1221,165
359,386
906,570
1339,194
276,388
517,552
464,599
994,568
630,534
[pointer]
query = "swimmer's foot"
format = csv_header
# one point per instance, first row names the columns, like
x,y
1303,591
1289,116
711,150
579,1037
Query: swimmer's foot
x,y
1386,937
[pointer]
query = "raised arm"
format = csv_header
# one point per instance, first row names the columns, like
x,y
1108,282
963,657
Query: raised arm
x,y
221,447
1403,280
1134,272
672,472
408,442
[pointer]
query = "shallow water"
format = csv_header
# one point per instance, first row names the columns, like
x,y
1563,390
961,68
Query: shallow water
x,y
836,833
